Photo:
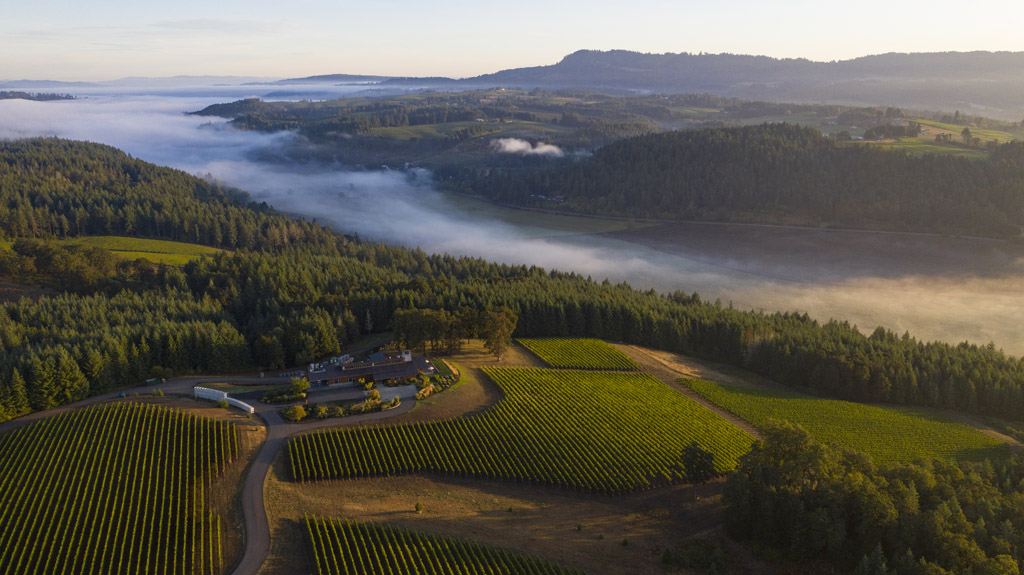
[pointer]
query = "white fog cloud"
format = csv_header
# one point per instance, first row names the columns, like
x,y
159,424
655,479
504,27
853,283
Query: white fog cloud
x,y
524,148
931,301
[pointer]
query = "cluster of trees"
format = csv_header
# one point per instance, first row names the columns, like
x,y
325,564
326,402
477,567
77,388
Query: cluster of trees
x,y
812,502
61,349
82,269
439,330
38,97
779,172
893,131
445,332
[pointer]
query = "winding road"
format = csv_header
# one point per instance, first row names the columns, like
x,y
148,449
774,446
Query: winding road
x,y
257,527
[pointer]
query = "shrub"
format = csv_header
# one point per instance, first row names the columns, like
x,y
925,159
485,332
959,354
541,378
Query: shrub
x,y
294,413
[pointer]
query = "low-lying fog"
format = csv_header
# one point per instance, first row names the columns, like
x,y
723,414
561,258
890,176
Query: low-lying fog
x,y
937,288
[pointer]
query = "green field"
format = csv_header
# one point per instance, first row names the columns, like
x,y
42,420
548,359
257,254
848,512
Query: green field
x,y
117,488
889,435
578,353
156,251
984,133
607,432
341,547
919,146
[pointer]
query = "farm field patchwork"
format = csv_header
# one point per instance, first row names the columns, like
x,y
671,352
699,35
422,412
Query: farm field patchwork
x,y
608,432
888,434
343,547
116,488
578,353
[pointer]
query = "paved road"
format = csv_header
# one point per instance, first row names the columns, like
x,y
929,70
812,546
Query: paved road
x,y
257,527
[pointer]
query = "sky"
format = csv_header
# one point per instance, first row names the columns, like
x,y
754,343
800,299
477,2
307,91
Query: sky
x,y
110,39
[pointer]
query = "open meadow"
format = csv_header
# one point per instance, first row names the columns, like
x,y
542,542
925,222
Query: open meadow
x,y
126,248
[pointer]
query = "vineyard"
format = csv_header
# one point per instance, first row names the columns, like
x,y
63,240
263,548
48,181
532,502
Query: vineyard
x,y
342,547
889,435
579,353
607,432
117,488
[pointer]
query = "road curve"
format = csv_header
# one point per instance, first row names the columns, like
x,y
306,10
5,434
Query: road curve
x,y
257,527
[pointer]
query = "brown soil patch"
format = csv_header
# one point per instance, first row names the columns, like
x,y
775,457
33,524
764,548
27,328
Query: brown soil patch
x,y
475,392
11,292
474,355
580,531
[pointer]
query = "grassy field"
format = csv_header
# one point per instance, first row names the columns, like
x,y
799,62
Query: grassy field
x,y
608,432
984,133
889,435
156,251
920,146
341,547
578,353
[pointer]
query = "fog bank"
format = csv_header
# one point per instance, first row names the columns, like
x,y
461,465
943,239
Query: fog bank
x,y
949,296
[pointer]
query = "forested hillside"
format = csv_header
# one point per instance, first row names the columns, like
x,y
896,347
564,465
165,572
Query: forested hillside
x,y
51,188
294,291
780,174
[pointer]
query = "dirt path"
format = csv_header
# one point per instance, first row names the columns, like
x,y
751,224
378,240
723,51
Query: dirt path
x,y
670,370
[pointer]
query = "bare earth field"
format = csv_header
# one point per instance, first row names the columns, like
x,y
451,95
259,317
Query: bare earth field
x,y
937,287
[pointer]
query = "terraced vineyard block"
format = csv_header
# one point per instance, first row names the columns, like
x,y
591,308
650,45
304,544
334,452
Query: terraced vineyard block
x,y
579,353
608,432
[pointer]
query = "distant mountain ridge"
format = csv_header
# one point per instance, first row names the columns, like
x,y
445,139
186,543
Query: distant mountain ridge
x,y
988,83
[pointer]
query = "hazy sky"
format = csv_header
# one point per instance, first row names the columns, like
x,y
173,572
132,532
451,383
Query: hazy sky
x,y
107,39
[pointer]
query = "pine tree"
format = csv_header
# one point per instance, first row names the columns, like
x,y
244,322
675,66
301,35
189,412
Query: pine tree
x,y
15,398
